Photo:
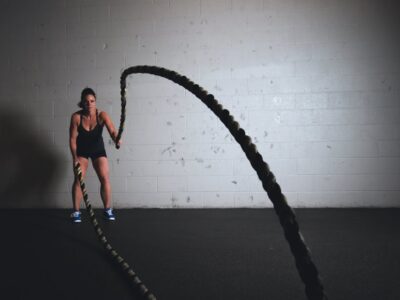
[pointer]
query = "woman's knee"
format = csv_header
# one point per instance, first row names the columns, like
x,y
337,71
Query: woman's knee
x,y
76,183
104,179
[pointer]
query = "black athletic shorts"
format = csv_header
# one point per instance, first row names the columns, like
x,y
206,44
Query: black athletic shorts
x,y
92,155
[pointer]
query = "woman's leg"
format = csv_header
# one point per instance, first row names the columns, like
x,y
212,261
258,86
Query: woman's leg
x,y
76,188
101,167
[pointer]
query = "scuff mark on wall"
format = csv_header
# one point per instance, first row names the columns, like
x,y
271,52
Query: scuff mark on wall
x,y
166,149
215,149
174,202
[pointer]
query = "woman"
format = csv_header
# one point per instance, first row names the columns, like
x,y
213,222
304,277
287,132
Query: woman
x,y
86,142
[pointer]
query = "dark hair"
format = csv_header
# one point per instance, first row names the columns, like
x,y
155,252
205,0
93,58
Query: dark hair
x,y
85,92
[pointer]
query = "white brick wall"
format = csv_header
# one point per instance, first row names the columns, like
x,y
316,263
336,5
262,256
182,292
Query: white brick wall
x,y
314,83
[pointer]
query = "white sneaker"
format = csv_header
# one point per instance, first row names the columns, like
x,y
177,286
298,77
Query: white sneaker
x,y
76,217
109,215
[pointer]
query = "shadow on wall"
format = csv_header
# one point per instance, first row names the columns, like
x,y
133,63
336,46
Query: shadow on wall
x,y
29,165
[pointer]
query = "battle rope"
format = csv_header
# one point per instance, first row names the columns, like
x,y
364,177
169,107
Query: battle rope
x,y
306,268
132,276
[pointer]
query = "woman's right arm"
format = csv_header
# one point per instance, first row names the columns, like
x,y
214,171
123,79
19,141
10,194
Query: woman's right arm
x,y
73,133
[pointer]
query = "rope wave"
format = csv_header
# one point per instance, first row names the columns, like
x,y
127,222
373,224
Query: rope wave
x,y
306,268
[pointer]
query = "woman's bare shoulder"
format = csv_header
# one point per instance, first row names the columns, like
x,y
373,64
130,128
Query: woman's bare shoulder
x,y
75,116
103,115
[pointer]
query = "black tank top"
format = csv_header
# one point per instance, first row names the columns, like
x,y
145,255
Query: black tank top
x,y
90,141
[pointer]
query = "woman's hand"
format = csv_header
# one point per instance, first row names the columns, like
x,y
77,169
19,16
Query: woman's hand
x,y
114,138
119,143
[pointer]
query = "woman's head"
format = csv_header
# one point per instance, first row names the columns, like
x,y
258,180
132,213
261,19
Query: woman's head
x,y
88,98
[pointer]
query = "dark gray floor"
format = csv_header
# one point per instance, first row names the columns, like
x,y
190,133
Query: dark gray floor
x,y
199,254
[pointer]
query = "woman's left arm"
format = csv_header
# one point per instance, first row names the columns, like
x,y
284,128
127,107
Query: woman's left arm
x,y
110,126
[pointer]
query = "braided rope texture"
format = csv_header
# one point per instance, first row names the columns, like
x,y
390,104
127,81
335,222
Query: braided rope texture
x,y
306,268
117,259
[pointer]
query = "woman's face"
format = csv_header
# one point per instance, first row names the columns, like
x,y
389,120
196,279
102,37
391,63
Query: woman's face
x,y
90,102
